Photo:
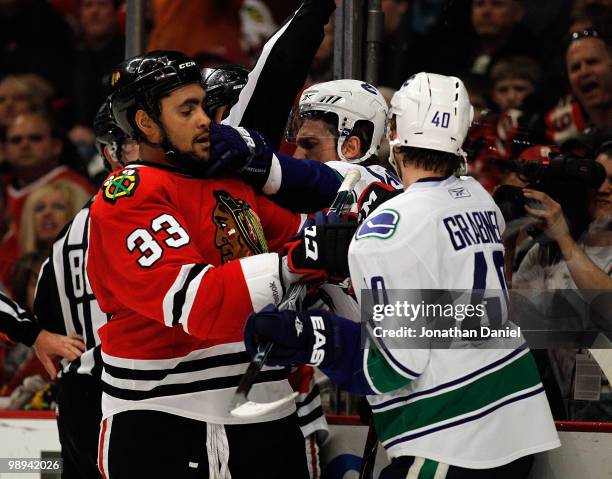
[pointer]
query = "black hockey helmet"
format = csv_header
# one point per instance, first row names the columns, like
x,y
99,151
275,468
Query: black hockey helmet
x,y
105,128
108,134
223,86
142,81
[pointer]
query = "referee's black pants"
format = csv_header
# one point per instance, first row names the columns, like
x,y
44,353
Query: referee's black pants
x,y
79,405
158,445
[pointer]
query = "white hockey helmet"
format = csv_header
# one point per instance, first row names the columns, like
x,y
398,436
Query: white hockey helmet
x,y
431,111
351,101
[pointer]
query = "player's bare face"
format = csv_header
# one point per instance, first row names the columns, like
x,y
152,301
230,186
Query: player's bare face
x,y
186,122
316,142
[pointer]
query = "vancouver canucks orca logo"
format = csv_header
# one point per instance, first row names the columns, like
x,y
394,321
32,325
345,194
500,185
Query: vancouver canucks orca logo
x,y
381,225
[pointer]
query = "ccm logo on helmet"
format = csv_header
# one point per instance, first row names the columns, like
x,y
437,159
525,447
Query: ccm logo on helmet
x,y
187,64
318,354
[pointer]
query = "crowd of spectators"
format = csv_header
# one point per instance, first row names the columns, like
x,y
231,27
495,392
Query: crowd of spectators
x,y
539,75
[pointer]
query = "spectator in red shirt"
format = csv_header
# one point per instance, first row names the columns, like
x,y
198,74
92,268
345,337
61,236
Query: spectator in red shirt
x,y
34,152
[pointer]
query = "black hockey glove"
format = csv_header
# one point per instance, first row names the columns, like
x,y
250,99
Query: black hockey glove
x,y
304,337
242,153
321,251
373,196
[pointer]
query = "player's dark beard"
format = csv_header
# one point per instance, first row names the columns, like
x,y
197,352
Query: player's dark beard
x,y
188,161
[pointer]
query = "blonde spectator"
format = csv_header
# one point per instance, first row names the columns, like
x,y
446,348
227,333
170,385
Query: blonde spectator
x,y
46,212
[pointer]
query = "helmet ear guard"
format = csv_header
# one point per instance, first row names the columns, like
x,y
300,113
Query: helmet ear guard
x,y
352,101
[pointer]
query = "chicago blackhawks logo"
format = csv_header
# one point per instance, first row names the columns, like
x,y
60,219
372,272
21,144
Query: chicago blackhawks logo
x,y
238,232
120,185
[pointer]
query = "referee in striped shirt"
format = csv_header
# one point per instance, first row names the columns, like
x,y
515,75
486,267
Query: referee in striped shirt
x,y
65,304
18,326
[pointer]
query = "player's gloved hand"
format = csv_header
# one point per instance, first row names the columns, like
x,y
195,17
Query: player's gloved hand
x,y
321,251
323,217
373,196
304,337
242,153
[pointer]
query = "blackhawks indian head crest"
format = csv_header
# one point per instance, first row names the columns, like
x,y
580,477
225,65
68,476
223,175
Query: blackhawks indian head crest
x,y
238,232
120,185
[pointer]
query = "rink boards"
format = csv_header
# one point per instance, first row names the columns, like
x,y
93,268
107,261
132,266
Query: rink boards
x,y
585,451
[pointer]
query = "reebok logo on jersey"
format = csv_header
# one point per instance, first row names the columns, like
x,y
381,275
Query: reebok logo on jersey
x,y
120,185
275,296
460,192
299,327
381,225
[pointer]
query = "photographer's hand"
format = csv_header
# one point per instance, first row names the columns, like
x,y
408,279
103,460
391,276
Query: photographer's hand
x,y
550,214
589,277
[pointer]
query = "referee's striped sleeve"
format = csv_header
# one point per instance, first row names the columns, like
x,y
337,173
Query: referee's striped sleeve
x,y
15,323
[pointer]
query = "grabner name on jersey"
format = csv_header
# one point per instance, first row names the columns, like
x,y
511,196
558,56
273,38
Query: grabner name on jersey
x,y
473,227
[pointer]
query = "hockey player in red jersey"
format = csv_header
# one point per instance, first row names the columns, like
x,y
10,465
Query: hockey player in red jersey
x,y
179,259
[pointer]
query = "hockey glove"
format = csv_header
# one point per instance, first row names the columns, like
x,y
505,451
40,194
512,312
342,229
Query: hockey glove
x,y
373,196
320,218
304,337
321,251
242,153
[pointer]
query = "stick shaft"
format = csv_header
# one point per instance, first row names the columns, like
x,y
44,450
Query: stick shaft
x,y
290,301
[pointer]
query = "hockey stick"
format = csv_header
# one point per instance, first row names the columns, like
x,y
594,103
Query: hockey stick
x,y
240,406
369,453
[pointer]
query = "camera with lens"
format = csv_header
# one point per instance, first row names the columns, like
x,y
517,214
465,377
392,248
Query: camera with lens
x,y
569,180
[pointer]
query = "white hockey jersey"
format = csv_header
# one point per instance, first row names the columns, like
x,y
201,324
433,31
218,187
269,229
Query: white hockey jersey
x,y
473,407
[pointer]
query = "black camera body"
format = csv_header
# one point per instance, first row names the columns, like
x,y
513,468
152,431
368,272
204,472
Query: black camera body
x,y
570,181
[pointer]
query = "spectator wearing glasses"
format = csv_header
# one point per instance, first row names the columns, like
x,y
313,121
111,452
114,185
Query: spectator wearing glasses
x,y
35,154
568,119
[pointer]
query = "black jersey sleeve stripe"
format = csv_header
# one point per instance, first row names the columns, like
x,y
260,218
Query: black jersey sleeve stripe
x,y
192,387
181,295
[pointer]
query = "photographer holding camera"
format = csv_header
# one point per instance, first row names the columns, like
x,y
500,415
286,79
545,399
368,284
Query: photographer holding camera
x,y
586,263
573,251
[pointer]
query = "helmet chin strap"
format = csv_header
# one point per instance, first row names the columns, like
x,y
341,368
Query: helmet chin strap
x,y
463,167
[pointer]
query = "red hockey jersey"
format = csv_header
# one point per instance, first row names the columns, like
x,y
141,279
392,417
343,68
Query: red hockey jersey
x,y
180,263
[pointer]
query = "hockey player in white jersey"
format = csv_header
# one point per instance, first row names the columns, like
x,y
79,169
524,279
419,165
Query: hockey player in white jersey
x,y
342,123
470,412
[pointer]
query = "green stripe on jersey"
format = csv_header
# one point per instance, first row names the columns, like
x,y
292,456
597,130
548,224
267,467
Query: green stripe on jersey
x,y
382,375
428,470
514,377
